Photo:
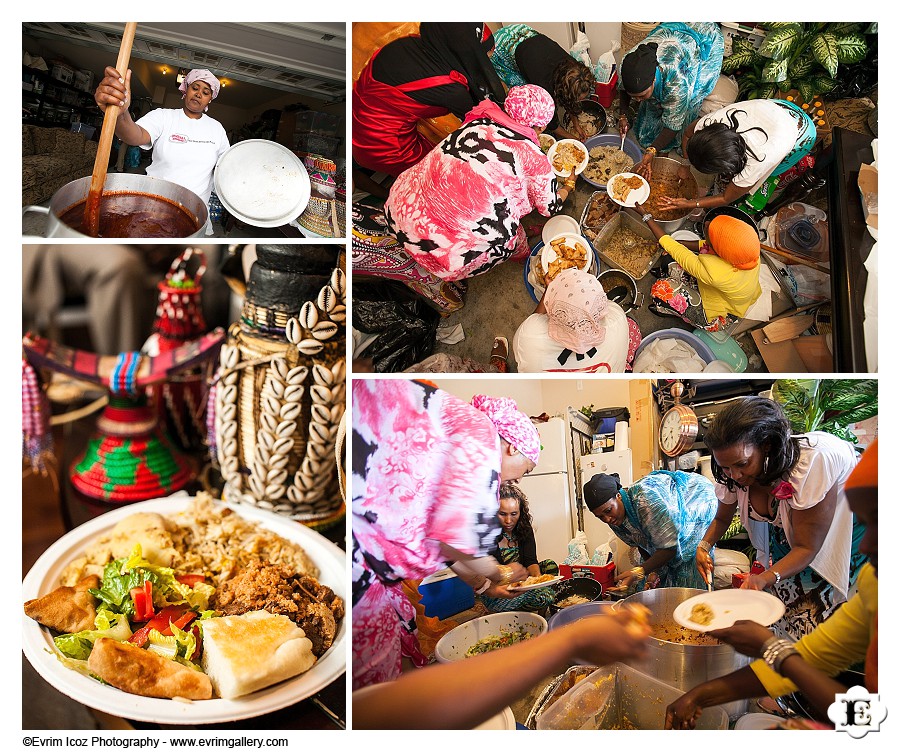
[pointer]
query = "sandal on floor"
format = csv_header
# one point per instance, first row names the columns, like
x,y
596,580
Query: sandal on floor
x,y
500,352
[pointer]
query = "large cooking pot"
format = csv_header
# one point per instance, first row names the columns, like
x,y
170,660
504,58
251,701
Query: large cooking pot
x,y
680,665
666,166
157,192
727,211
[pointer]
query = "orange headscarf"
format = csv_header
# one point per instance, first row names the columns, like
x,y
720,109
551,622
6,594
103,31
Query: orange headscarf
x,y
734,241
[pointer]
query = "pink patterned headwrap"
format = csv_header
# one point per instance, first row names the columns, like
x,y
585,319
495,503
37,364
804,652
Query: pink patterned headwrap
x,y
576,306
200,74
512,424
530,105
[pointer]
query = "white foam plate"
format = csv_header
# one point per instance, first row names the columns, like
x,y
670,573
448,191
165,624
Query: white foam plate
x,y
635,196
535,586
548,252
503,721
262,183
557,225
580,168
729,606
757,722
37,642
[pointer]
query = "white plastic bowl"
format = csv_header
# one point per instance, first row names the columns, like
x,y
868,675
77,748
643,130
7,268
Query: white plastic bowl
x,y
453,645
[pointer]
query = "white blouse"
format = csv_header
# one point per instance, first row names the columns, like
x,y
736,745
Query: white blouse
x,y
825,462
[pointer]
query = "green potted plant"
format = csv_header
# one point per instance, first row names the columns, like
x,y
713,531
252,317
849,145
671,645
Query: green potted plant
x,y
801,56
830,405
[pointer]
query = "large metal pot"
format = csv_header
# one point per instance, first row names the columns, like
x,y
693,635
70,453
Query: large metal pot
x,y
77,191
679,665
666,166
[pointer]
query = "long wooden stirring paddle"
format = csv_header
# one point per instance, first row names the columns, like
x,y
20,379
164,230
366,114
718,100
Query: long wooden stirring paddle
x,y
98,178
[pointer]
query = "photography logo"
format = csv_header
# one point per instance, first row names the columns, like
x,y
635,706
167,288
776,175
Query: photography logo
x,y
857,712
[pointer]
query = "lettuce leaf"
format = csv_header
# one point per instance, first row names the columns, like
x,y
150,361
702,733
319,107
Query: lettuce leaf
x,y
78,646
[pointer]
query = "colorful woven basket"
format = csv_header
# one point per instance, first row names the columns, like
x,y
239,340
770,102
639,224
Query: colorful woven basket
x,y
325,217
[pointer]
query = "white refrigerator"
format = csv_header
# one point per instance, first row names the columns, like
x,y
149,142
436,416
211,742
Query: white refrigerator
x,y
548,489
617,461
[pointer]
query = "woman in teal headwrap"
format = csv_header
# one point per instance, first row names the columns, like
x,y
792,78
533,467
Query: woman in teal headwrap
x,y
664,515
670,73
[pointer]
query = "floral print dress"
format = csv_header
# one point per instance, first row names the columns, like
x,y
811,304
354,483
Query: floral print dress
x,y
426,471
458,211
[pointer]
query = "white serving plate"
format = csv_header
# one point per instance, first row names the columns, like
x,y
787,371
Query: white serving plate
x,y
548,253
635,196
551,153
537,585
37,642
729,606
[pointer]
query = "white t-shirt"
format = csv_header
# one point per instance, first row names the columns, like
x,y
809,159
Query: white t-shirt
x,y
774,119
534,351
185,151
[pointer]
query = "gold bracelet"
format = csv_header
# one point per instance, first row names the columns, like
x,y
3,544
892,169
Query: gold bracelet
x,y
506,573
651,150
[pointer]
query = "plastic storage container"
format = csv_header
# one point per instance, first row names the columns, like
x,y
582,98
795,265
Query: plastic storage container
x,y
620,697
444,594
571,614
685,336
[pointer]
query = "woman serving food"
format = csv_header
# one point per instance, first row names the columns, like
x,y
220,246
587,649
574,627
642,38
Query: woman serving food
x,y
186,142
744,144
789,490
457,211
516,544
424,496
664,515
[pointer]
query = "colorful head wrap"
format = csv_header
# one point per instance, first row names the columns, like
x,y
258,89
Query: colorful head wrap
x,y
576,306
639,68
200,74
512,424
734,241
529,105
600,489
865,474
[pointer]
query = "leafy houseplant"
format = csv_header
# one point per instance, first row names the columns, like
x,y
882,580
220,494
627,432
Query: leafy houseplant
x,y
802,56
827,404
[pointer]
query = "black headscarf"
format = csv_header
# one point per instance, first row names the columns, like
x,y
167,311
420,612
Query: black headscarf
x,y
600,489
639,68
460,46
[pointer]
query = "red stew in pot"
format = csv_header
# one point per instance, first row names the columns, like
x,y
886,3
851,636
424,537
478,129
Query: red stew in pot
x,y
126,214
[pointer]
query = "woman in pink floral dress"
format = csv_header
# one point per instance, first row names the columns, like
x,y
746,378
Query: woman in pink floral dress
x,y
457,211
427,467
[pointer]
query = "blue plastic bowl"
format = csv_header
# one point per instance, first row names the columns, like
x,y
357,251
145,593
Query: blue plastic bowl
x,y
611,139
693,340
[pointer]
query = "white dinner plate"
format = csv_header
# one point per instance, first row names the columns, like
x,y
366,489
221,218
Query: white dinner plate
x,y
37,642
757,722
548,254
503,721
635,196
730,605
580,168
516,589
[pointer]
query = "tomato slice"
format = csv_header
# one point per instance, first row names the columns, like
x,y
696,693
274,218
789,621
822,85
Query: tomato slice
x,y
176,615
190,579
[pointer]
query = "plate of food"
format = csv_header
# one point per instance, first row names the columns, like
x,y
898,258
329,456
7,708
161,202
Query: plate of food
x,y
628,189
187,611
546,142
722,608
567,153
534,582
565,251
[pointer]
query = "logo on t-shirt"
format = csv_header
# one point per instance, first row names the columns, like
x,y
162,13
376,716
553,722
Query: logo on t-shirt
x,y
180,138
